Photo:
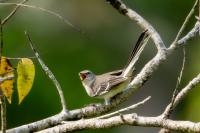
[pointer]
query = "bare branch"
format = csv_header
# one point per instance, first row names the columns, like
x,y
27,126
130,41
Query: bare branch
x,y
187,88
2,97
125,109
121,7
8,77
184,92
192,33
199,14
129,119
12,13
3,113
174,44
168,112
57,119
1,37
179,98
49,74
39,125
19,58
47,11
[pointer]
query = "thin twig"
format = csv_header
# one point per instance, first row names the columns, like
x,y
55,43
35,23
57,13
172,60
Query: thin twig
x,y
19,58
12,13
184,24
190,34
49,73
199,15
125,109
194,82
3,113
199,7
2,97
1,37
47,11
181,74
9,77
168,112
180,97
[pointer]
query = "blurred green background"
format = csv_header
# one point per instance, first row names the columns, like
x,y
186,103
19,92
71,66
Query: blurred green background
x,y
105,46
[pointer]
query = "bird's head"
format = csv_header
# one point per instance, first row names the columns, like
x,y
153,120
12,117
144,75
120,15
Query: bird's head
x,y
87,77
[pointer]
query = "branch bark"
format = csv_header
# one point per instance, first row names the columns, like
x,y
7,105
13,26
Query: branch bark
x,y
49,74
129,119
144,24
3,114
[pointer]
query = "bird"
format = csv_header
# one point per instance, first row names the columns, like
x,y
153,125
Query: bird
x,y
108,85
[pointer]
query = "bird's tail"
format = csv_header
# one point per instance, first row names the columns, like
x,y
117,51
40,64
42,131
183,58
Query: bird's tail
x,y
135,54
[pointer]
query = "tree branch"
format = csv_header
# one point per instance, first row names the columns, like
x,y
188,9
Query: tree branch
x,y
170,109
193,32
8,77
186,21
49,74
3,113
125,109
123,9
129,119
44,10
179,98
174,44
185,91
12,13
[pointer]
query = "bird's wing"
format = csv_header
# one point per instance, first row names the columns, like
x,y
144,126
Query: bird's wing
x,y
108,84
115,73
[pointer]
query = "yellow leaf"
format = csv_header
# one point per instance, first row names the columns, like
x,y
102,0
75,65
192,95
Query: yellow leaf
x,y
26,74
6,86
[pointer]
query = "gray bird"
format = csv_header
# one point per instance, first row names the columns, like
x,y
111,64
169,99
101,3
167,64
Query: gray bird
x,y
107,85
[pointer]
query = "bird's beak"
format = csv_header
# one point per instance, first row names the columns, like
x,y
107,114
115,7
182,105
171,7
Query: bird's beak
x,y
82,76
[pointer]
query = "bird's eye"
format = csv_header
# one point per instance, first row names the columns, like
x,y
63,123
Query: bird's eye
x,y
88,73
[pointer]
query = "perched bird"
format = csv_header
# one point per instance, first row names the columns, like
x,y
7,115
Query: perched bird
x,y
107,85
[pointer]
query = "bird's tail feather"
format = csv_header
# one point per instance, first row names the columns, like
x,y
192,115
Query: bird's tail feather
x,y
137,50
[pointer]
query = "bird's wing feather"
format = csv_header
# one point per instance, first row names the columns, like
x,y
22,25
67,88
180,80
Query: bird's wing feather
x,y
108,85
116,72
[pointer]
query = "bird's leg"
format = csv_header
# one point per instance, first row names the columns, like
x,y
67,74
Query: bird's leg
x,y
108,101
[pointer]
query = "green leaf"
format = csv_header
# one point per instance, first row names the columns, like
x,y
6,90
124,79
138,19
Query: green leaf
x,y
26,74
